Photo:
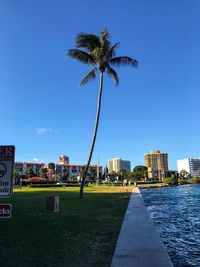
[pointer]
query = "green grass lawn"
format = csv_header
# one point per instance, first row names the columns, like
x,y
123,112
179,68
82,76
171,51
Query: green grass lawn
x,y
83,233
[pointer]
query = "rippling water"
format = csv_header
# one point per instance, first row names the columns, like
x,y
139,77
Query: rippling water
x,y
176,213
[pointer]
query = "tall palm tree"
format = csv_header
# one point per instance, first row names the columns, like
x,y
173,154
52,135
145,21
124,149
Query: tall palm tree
x,y
100,53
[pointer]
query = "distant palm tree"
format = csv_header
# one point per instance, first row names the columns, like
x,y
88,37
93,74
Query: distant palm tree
x,y
98,52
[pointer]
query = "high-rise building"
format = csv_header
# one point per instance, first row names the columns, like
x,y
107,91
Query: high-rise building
x,y
192,166
117,164
157,164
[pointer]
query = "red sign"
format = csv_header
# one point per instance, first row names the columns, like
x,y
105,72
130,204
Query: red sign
x,y
7,154
5,211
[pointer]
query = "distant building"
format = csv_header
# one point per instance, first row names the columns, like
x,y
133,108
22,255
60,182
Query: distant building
x,y
192,166
63,160
157,164
72,170
21,167
117,165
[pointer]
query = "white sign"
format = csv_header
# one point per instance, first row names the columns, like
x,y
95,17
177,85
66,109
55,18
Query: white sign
x,y
7,154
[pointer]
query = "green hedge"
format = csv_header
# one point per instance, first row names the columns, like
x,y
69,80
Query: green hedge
x,y
147,182
45,185
171,181
111,183
39,183
182,181
52,185
195,180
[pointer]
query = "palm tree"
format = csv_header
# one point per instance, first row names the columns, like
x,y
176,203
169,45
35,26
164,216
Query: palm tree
x,y
100,53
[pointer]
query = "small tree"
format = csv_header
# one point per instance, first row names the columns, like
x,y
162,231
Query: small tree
x,y
66,174
59,176
183,174
171,180
81,170
124,174
15,175
90,174
129,175
29,172
51,171
43,172
140,172
112,176
105,173
51,166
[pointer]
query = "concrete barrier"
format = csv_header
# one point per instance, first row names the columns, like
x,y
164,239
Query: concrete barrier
x,y
52,203
139,244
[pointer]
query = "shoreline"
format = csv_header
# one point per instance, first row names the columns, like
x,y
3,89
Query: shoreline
x,y
150,186
139,243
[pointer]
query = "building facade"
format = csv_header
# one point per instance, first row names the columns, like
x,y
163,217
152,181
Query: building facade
x,y
21,167
63,160
191,166
117,165
157,164
69,170
76,170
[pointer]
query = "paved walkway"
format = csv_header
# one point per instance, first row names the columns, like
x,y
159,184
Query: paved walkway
x,y
139,244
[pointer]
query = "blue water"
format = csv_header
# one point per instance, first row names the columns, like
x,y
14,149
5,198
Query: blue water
x,y
176,214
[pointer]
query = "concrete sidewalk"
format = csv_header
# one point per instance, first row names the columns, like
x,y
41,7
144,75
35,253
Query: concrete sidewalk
x,y
139,244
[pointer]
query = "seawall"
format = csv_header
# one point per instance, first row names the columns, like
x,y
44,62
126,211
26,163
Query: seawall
x,y
139,244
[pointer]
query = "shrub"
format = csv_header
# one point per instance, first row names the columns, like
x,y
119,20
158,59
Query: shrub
x,y
195,180
147,182
171,181
108,183
53,185
182,181
44,185
46,182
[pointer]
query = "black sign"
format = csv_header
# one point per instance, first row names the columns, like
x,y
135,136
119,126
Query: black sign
x,y
5,211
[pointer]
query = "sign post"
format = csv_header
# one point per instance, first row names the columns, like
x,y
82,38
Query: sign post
x,y
7,155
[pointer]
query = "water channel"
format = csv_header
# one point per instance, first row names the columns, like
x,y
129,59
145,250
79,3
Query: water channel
x,y
176,214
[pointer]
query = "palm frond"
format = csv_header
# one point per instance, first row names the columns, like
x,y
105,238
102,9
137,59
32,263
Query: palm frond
x,y
112,50
123,61
112,73
105,34
87,41
96,54
105,44
91,75
81,56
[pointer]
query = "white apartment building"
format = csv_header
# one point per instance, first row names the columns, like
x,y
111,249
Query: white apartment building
x,y
117,165
75,169
192,166
72,169
21,167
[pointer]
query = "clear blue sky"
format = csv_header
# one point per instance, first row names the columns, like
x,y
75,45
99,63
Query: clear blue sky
x,y
44,111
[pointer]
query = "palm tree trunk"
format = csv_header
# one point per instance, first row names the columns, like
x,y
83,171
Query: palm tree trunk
x,y
94,135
